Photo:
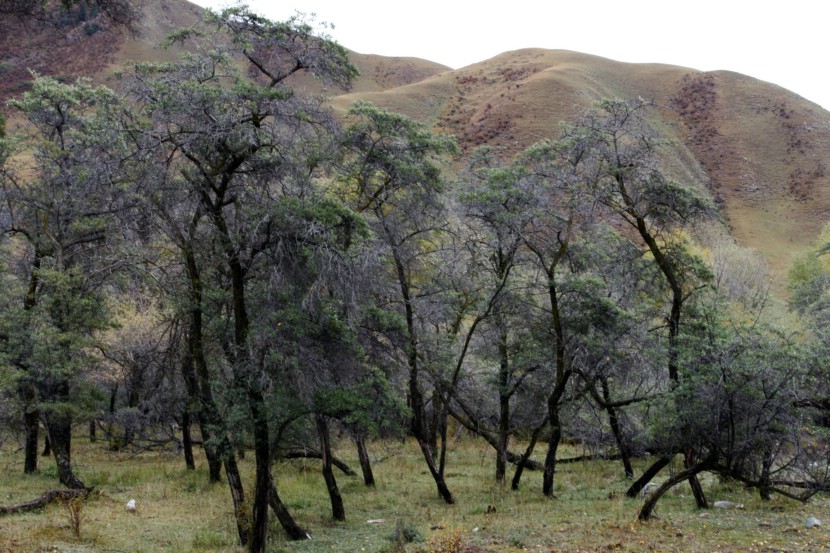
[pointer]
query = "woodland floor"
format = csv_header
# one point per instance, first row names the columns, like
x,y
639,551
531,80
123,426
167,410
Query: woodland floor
x,y
179,511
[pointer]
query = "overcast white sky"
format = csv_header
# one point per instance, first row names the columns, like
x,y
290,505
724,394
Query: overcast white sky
x,y
785,43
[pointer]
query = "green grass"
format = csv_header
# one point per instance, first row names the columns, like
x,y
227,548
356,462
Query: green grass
x,y
178,511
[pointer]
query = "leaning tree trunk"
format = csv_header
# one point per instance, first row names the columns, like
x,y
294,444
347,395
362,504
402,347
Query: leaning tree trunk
x,y
637,486
415,396
363,455
225,451
338,512
294,530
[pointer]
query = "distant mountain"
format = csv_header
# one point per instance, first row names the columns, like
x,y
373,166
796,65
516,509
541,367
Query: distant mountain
x,y
760,151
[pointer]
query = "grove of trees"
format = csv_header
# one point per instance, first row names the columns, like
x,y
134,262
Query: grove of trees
x,y
210,249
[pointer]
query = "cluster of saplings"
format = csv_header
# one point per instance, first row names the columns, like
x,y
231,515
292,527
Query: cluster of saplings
x,y
208,247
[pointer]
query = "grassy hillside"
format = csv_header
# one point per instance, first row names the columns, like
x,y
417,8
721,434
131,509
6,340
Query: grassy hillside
x,y
760,151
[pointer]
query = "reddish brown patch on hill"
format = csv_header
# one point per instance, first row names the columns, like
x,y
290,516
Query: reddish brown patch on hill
x,y
66,49
477,119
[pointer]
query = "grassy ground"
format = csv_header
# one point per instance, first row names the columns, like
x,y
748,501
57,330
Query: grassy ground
x,y
178,511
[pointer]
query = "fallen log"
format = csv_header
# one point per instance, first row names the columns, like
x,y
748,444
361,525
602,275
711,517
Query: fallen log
x,y
312,454
39,503
590,457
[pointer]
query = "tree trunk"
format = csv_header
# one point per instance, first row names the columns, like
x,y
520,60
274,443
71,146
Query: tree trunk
x,y
262,486
523,460
60,435
195,370
415,396
433,428
338,512
437,476
313,454
652,471
31,421
365,463
187,440
550,458
93,431
47,446
766,478
614,422
50,496
294,530
504,400
562,376
653,497
225,451
697,489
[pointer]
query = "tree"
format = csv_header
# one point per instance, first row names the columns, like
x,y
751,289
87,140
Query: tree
x,y
237,147
632,187
738,411
389,174
61,207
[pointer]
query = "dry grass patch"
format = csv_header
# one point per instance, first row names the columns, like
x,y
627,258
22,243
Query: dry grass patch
x,y
179,511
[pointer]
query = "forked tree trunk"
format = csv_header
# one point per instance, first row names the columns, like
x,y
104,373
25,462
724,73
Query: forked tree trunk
x,y
60,436
522,463
416,398
338,512
211,454
651,501
697,489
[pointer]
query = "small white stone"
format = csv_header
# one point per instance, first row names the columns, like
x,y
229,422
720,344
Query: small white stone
x,y
727,505
131,506
812,522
